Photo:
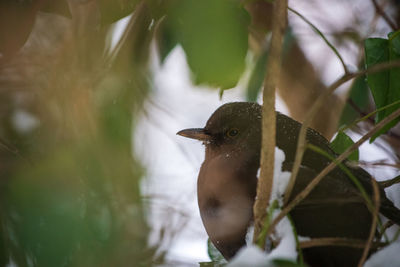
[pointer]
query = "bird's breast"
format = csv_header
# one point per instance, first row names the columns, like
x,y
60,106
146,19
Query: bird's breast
x,y
226,191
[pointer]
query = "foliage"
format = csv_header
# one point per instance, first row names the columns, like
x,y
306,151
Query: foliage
x,y
385,85
213,253
342,142
213,34
217,260
358,101
69,191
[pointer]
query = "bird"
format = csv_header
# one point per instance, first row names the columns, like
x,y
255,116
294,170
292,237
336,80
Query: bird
x,y
227,182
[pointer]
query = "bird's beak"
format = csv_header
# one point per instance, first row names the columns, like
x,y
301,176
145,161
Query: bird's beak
x,y
195,133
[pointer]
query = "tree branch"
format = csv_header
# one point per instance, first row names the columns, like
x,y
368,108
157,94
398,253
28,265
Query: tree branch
x,y
264,185
385,17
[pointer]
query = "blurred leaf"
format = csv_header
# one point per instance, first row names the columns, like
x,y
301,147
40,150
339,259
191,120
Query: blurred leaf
x,y
376,51
77,202
16,23
257,77
348,115
385,85
289,39
57,7
214,35
61,211
359,96
4,255
17,19
115,120
256,80
111,11
166,40
359,92
342,142
46,207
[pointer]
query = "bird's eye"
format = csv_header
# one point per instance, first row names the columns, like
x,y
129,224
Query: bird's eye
x,y
232,132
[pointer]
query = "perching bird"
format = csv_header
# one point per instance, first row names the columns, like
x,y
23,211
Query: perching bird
x,y
226,186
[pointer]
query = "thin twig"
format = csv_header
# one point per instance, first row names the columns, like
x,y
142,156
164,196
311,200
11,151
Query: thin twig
x,y
367,116
351,176
301,143
396,236
13,150
390,182
9,148
323,37
303,194
385,17
264,185
357,108
378,164
384,228
337,241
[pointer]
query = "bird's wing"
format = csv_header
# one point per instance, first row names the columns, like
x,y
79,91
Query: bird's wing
x,y
332,190
332,209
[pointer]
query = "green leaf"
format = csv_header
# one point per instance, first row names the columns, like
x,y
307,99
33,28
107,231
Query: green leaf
x,y
376,51
385,85
258,73
213,253
214,35
342,142
257,77
360,97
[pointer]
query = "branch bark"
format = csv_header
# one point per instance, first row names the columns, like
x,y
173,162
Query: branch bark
x,y
269,121
390,182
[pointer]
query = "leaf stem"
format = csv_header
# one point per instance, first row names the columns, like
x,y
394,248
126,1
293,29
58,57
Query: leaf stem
x,y
368,115
323,37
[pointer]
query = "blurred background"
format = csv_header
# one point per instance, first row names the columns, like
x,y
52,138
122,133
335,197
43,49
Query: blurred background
x,y
92,93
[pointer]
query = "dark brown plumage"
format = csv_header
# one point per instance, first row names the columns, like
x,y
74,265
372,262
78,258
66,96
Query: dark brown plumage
x,y
228,178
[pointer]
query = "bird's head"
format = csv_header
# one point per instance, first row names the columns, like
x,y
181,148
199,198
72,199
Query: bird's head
x,y
232,126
